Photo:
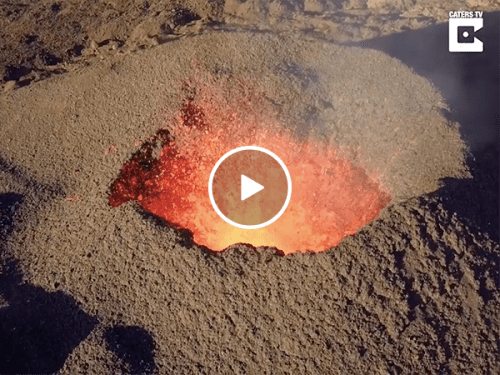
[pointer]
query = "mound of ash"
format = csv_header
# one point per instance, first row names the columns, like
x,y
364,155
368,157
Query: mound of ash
x,y
412,290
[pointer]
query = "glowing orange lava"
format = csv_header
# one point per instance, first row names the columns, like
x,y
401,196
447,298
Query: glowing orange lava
x,y
331,198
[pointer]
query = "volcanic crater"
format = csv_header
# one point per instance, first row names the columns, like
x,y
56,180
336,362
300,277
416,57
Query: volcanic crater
x,y
332,198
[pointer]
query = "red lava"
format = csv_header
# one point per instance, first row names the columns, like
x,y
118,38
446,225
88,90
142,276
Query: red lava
x,y
331,197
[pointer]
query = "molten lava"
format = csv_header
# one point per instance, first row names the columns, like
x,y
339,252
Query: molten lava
x,y
331,197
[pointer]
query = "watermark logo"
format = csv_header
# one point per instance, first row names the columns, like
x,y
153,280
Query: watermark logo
x,y
463,27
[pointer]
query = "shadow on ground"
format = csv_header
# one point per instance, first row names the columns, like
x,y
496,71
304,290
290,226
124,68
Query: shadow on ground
x,y
134,346
477,200
469,83
37,329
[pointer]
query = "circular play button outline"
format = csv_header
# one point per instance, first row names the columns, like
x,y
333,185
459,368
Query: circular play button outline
x,y
288,180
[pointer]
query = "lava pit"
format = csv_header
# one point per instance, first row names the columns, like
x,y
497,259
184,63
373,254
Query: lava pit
x,y
331,197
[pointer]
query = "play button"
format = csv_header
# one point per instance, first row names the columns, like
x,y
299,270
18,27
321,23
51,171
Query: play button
x,y
250,187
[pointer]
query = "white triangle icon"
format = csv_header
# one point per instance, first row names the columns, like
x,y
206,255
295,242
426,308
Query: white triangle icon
x,y
249,187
